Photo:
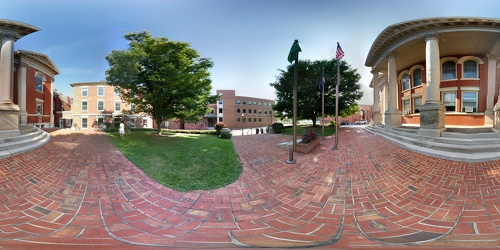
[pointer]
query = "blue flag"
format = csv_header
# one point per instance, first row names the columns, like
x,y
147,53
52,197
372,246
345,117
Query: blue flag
x,y
322,83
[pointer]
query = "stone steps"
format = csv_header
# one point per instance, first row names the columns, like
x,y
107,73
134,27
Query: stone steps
x,y
471,146
30,138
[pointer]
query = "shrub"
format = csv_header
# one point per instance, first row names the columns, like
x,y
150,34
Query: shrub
x,y
332,123
309,136
219,126
277,127
225,134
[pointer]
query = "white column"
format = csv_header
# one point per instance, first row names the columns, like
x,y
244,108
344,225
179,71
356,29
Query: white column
x,y
392,115
376,99
490,96
51,125
6,69
21,92
393,82
433,69
432,113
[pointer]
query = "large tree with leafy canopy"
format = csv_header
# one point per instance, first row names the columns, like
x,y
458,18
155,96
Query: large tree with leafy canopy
x,y
165,79
309,94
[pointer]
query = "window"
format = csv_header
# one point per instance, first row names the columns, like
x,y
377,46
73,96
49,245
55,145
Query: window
x,y
85,91
237,101
84,106
260,111
244,110
470,69
220,111
260,119
254,119
100,105
220,101
254,103
449,70
132,107
249,102
265,103
260,103
469,102
237,110
220,119
449,100
39,83
255,111
406,107
244,102
132,122
39,108
84,123
244,119
238,119
68,122
265,112
100,91
117,93
405,81
417,103
417,77
118,106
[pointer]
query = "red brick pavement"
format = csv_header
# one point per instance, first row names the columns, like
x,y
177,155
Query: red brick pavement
x,y
80,191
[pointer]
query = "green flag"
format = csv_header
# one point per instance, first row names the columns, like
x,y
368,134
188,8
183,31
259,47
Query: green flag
x,y
294,51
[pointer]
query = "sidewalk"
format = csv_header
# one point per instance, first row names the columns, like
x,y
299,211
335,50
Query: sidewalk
x,y
79,191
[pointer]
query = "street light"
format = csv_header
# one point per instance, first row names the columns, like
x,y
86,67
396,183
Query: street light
x,y
242,117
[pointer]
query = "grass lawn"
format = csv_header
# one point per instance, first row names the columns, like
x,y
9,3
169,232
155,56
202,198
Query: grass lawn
x,y
182,162
329,130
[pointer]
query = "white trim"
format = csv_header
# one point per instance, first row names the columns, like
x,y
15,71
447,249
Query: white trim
x,y
448,89
469,88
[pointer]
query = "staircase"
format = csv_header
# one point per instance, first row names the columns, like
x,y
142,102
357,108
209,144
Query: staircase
x,y
459,144
30,138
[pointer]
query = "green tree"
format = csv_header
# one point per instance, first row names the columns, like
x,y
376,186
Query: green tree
x,y
309,94
162,78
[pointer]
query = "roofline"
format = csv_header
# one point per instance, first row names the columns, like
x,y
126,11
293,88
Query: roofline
x,y
89,83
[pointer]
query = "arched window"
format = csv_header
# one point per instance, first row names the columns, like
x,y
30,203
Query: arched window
x,y
470,69
405,80
449,70
417,77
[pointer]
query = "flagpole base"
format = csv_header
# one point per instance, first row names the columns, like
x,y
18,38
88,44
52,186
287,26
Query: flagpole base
x,y
290,157
335,148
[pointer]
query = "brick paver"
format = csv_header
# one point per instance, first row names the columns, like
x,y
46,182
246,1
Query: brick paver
x,y
78,190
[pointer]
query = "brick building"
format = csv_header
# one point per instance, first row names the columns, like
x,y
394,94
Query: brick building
x,y
96,103
62,110
436,72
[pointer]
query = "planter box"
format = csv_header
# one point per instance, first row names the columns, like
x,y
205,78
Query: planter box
x,y
307,147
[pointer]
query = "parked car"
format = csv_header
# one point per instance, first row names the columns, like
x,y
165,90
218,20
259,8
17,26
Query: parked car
x,y
361,122
344,123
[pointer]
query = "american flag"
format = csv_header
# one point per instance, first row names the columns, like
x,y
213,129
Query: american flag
x,y
340,52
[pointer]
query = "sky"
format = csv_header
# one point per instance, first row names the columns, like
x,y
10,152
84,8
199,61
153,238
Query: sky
x,y
248,40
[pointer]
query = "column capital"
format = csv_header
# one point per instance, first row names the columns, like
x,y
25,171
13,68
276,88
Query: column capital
x,y
391,55
431,36
375,71
6,35
492,56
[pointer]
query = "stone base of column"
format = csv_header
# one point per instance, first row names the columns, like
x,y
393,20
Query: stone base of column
x,y
393,118
432,119
23,118
488,117
376,119
9,119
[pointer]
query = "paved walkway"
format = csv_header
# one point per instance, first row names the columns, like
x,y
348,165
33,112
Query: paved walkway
x,y
80,191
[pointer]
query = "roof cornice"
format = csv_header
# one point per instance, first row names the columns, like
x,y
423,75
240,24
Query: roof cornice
x,y
15,28
398,32
39,58
88,83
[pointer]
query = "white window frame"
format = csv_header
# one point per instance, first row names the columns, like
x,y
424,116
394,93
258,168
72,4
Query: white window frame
x,y
98,101
443,99
408,87
86,124
39,103
100,88
86,105
470,90
406,109
119,103
415,107
85,90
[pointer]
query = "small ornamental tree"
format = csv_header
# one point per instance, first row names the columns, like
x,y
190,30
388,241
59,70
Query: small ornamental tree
x,y
219,126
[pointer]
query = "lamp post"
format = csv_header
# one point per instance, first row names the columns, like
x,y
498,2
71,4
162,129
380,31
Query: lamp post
x,y
242,117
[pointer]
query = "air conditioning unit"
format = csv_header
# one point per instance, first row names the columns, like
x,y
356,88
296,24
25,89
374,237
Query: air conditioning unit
x,y
468,109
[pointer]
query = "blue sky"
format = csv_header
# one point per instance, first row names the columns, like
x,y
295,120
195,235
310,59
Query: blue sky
x,y
248,40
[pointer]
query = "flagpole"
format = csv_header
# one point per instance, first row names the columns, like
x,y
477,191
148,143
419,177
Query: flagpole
x,y
337,106
294,54
323,106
